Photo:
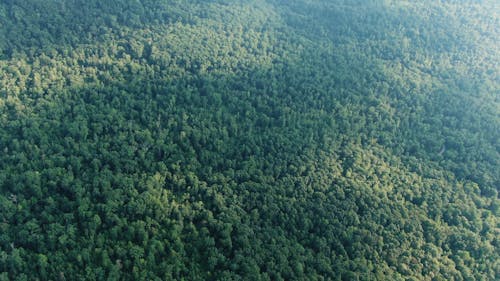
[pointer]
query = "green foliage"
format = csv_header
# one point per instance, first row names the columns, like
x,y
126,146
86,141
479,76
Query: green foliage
x,y
249,140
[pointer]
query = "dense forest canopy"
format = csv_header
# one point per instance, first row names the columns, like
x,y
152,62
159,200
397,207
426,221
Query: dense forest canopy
x,y
249,140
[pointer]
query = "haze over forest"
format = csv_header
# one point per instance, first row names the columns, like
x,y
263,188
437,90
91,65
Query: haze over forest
x,y
249,140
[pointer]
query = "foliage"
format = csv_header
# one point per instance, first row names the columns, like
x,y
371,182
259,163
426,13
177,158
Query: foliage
x,y
249,140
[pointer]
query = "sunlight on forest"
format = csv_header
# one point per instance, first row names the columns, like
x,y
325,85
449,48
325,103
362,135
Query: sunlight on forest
x,y
249,140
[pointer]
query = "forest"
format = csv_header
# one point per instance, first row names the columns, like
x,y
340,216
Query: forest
x,y
250,140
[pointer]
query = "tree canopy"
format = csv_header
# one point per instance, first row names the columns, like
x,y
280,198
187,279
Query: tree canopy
x,y
249,140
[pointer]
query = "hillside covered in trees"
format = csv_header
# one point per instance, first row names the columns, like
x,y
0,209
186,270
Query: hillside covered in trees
x,y
249,140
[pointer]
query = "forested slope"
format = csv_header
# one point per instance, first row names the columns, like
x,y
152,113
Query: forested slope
x,y
249,140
